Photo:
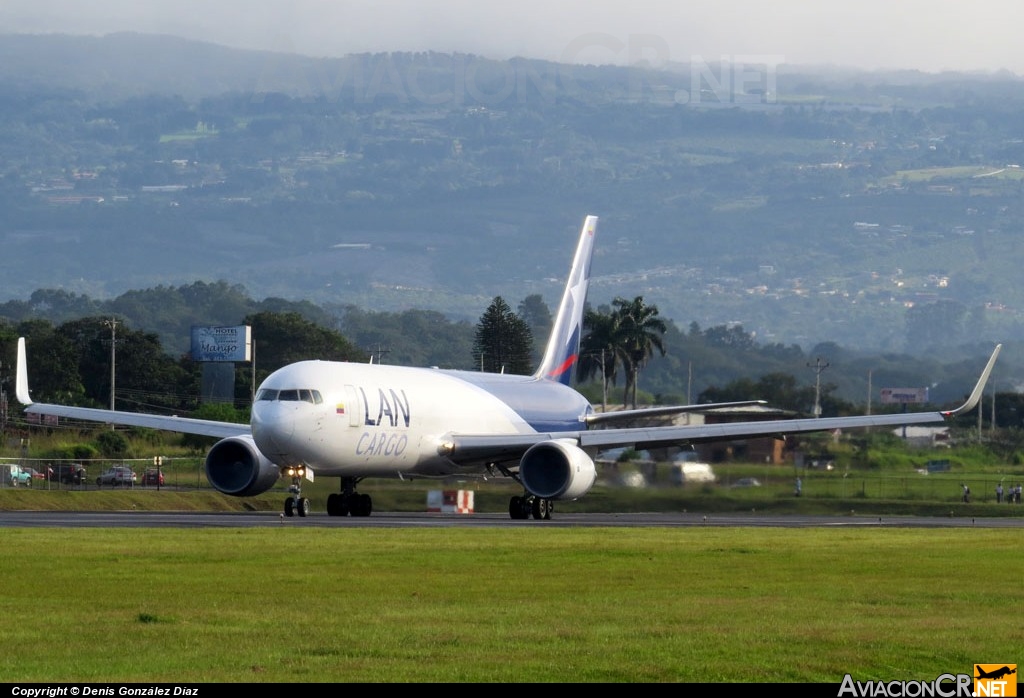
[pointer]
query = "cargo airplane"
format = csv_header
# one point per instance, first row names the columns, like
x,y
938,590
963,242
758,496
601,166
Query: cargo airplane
x,y
355,421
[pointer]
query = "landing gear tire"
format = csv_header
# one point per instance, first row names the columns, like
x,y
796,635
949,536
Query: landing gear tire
x,y
352,503
296,506
542,508
334,505
362,505
519,508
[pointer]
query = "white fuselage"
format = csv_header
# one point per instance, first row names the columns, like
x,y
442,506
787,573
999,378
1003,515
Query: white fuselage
x,y
371,420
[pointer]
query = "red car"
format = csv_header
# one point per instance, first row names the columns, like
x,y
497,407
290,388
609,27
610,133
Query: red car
x,y
153,476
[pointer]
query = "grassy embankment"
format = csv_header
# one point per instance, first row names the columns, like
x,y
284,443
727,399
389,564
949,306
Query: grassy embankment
x,y
880,476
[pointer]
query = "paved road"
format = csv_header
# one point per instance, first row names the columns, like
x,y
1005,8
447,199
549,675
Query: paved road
x,y
62,519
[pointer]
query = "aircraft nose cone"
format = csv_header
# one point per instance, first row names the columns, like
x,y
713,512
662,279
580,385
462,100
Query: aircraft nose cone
x,y
273,426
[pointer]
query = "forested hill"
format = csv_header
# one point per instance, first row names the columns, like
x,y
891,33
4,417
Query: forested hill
x,y
877,211
716,363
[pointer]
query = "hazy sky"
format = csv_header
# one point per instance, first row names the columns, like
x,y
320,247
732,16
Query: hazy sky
x,y
930,35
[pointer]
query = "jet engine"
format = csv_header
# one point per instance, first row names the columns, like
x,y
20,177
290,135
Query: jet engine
x,y
557,469
235,466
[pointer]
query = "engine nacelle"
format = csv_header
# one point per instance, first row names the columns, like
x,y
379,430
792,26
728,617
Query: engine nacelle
x,y
235,466
557,469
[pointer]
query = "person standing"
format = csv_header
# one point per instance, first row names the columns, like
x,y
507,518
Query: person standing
x,y
999,493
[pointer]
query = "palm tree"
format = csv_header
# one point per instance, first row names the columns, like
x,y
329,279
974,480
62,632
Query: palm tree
x,y
638,335
600,351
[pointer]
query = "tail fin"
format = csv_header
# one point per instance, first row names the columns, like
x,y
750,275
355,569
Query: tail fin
x,y
563,347
21,377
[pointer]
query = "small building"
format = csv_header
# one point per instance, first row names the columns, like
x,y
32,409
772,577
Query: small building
x,y
761,449
764,449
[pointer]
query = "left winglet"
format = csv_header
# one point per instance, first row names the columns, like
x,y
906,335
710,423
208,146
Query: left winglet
x,y
21,380
975,396
182,425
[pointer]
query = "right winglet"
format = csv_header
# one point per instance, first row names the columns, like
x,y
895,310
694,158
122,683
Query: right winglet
x,y
972,401
21,380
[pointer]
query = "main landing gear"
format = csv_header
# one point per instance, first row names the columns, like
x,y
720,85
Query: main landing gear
x,y
522,508
296,504
348,501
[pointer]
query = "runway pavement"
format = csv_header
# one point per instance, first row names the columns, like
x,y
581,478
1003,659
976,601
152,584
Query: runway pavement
x,y
135,519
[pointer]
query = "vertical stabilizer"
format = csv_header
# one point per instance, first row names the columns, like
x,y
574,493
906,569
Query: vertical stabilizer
x,y
21,376
563,347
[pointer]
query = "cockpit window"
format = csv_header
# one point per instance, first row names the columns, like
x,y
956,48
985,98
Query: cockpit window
x,y
297,395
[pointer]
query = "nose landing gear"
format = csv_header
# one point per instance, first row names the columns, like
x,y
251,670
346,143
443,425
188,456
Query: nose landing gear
x,y
296,504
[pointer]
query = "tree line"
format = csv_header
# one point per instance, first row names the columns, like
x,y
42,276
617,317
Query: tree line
x,y
104,362
619,340
71,357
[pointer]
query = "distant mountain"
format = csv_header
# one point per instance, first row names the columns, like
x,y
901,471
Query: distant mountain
x,y
124,64
873,210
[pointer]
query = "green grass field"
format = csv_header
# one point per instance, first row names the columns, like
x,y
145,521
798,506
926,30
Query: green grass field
x,y
522,604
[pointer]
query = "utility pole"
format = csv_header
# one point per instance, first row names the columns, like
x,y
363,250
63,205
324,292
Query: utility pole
x,y
3,399
818,367
604,385
981,411
380,351
869,390
870,371
992,426
112,324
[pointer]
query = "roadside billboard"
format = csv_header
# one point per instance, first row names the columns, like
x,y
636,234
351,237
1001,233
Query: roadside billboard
x,y
904,396
222,343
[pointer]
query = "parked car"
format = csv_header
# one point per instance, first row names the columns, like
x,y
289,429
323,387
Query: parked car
x,y
36,475
153,476
747,482
68,473
118,476
16,475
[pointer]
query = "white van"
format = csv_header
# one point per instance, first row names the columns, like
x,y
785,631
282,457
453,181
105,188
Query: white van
x,y
686,469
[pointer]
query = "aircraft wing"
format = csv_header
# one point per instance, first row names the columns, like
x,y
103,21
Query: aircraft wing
x,y
468,448
183,425
645,438
622,415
